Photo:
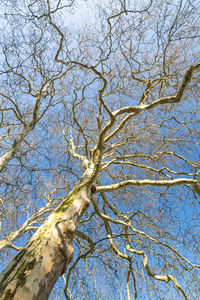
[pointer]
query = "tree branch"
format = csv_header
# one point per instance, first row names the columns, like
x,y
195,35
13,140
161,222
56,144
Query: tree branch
x,y
144,182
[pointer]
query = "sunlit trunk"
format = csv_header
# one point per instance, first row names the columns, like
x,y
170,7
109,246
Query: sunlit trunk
x,y
35,270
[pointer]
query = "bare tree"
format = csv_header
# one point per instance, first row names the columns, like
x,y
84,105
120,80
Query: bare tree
x,y
100,135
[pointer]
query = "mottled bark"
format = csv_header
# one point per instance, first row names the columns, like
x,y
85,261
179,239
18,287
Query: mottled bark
x,y
35,270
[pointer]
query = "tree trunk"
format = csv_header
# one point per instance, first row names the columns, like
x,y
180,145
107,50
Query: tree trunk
x,y
35,270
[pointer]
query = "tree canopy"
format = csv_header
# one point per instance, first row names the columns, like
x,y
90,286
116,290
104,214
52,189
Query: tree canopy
x,y
100,163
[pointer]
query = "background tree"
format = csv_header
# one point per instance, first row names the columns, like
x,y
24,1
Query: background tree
x,y
112,101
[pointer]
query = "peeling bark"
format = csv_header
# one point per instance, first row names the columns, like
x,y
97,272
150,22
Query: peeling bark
x,y
35,270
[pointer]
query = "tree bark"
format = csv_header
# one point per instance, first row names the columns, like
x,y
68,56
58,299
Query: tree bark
x,y
35,270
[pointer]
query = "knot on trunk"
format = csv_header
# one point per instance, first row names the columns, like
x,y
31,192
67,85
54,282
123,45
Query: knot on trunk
x,y
93,188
